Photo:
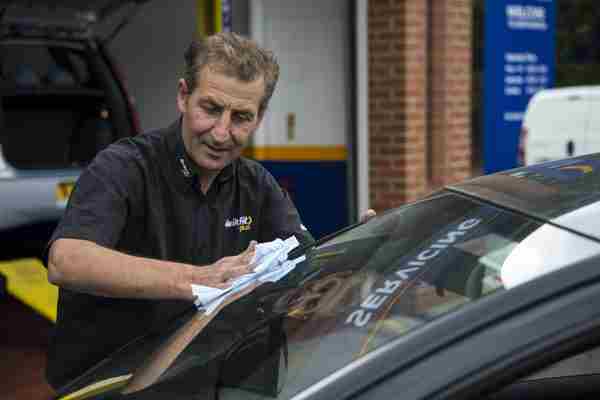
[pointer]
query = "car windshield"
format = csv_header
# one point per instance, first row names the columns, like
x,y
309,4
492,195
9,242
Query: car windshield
x,y
354,293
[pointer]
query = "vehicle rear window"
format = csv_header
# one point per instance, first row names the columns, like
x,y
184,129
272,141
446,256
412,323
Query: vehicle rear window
x,y
549,190
55,103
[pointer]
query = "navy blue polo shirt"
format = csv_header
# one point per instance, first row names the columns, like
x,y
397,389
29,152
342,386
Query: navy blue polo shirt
x,y
141,196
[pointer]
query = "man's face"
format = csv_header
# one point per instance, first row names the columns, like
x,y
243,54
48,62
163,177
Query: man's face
x,y
218,118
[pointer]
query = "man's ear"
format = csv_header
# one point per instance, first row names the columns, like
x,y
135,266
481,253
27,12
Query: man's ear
x,y
182,95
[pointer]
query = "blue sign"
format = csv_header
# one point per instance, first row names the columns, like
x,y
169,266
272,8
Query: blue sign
x,y
519,60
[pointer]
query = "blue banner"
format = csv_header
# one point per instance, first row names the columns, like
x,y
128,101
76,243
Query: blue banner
x,y
519,60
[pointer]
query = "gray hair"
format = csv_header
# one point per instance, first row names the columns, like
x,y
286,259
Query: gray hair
x,y
234,56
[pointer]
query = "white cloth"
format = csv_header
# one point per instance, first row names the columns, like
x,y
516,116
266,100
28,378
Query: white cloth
x,y
271,263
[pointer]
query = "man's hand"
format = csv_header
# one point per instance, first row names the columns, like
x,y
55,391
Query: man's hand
x,y
367,215
224,271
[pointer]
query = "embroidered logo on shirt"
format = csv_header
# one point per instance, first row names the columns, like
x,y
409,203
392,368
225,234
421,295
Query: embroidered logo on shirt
x,y
243,223
184,168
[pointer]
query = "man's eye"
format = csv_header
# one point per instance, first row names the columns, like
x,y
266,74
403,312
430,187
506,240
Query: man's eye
x,y
213,110
242,117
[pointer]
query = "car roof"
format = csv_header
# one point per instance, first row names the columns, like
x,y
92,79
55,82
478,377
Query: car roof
x,y
565,193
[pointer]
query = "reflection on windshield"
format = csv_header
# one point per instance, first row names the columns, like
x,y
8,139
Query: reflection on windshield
x,y
388,277
358,291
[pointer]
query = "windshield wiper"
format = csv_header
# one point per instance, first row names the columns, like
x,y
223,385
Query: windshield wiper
x,y
300,250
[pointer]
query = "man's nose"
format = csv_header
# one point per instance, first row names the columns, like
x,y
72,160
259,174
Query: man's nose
x,y
222,128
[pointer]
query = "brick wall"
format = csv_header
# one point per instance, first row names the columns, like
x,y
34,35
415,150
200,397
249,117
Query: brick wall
x,y
450,91
417,140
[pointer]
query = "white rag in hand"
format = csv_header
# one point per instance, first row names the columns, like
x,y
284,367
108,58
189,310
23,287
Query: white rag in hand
x,y
271,263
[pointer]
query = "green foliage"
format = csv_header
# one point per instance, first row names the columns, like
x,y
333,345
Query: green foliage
x,y
577,38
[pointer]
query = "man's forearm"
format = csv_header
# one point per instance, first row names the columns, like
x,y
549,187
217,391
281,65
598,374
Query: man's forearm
x,y
84,266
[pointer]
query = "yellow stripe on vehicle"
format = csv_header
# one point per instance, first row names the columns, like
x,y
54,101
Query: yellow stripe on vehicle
x,y
297,153
27,281
100,387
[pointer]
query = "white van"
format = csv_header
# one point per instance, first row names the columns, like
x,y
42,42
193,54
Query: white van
x,y
560,123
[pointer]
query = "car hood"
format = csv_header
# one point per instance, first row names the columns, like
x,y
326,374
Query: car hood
x,y
564,193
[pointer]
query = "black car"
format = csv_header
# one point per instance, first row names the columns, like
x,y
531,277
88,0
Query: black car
x,y
486,289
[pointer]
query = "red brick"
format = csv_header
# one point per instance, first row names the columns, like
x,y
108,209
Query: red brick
x,y
398,90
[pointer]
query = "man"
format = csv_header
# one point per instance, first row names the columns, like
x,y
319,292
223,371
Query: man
x,y
154,214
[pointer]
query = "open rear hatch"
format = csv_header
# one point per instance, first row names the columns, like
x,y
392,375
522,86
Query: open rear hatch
x,y
60,18
60,98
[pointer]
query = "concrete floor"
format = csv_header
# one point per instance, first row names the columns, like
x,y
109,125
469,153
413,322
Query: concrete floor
x,y
23,340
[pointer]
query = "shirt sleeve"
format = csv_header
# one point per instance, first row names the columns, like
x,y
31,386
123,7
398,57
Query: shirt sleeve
x,y
280,216
98,207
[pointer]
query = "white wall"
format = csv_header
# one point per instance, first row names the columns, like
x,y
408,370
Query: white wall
x,y
311,41
150,53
